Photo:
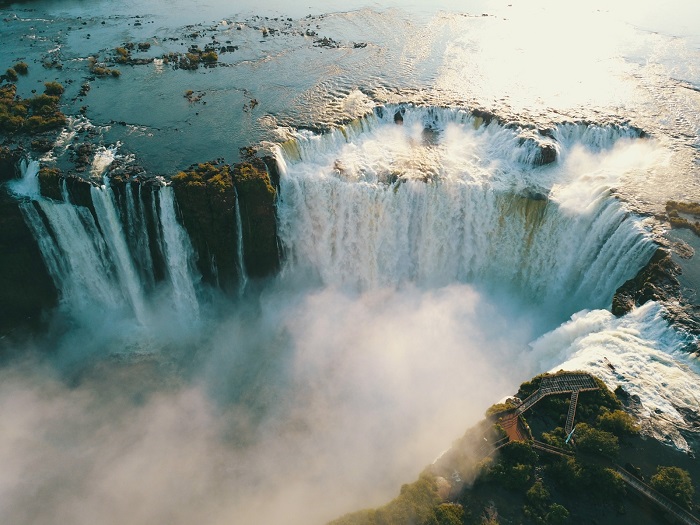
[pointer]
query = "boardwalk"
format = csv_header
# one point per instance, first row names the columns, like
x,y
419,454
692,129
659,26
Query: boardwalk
x,y
560,384
680,514
572,413
574,384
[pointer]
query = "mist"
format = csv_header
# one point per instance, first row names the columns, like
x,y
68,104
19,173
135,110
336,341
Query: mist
x,y
296,406
325,389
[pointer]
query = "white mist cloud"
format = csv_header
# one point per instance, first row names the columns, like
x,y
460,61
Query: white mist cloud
x,y
296,410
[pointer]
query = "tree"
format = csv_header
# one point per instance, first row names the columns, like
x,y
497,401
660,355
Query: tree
x,y
596,441
675,483
618,422
557,515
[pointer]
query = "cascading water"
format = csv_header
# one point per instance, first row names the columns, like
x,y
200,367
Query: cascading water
x,y
103,262
114,237
437,201
178,255
239,247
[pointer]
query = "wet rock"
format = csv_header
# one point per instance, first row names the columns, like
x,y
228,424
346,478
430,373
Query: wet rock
x,y
9,160
52,181
26,289
547,154
657,281
257,197
684,215
207,200
41,145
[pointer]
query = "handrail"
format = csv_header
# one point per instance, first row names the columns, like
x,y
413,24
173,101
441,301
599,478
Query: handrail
x,y
678,512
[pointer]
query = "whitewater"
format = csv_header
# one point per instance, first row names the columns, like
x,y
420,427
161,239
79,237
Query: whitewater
x,y
433,256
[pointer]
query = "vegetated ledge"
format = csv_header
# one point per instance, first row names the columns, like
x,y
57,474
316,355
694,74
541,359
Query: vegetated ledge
x,y
684,215
208,195
477,482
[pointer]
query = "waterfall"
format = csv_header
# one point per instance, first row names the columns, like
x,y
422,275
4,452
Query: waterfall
x,y
28,184
179,255
108,218
102,262
239,247
137,230
76,255
445,199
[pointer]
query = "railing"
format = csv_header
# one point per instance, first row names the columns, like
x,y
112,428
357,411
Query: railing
x,y
572,412
674,509
551,449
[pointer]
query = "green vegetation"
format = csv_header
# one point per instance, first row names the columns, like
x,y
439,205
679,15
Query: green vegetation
x,y
11,75
590,439
521,484
499,408
418,504
675,208
253,180
210,57
100,70
674,483
618,422
123,55
514,468
53,88
31,115
21,67
216,177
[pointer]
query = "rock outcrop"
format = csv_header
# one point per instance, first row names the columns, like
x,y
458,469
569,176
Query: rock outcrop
x,y
26,289
208,195
658,281
257,196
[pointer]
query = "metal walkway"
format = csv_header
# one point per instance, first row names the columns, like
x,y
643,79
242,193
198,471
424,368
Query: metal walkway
x,y
560,384
572,412
675,510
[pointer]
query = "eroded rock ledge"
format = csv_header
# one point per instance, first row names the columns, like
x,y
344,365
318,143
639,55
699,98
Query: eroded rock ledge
x,y
212,196
657,281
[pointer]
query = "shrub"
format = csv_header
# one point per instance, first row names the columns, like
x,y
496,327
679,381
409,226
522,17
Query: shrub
x,y
674,483
210,57
618,422
497,409
589,439
21,67
557,515
537,495
11,75
449,514
53,88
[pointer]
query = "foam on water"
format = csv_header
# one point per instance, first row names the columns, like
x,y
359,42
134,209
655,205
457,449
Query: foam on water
x,y
445,198
639,352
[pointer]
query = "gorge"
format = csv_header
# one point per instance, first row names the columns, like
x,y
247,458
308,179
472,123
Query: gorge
x,y
327,310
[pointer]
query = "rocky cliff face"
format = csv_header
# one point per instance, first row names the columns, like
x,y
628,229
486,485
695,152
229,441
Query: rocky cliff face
x,y
657,281
257,196
208,196
26,289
